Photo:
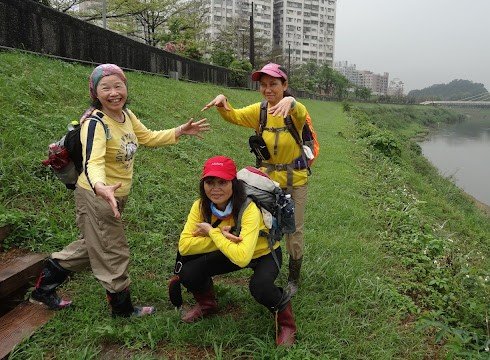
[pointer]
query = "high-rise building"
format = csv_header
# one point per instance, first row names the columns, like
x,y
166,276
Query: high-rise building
x,y
221,13
299,30
348,70
304,30
377,83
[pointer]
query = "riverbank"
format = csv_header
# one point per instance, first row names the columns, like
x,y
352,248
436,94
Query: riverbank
x,y
482,206
431,228
394,254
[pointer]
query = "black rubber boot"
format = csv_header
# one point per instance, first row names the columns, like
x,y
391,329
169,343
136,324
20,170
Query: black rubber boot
x,y
52,276
294,271
175,291
122,306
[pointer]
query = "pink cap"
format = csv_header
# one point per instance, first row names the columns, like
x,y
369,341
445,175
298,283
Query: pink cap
x,y
271,69
219,166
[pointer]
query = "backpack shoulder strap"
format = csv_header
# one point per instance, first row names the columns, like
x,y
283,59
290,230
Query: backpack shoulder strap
x,y
98,117
270,241
263,116
214,224
294,133
238,225
292,129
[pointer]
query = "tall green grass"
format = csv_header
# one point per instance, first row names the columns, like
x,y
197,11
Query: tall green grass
x,y
350,305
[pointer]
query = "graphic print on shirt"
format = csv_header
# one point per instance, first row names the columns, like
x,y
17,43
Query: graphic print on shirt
x,y
127,150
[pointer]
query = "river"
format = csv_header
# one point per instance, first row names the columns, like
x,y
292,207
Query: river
x,y
462,152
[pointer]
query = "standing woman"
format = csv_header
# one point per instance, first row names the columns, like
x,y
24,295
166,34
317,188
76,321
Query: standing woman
x,y
101,194
209,248
284,165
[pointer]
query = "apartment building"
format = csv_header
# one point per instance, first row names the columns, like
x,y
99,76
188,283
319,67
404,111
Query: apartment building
x,y
304,30
221,13
348,70
300,30
377,83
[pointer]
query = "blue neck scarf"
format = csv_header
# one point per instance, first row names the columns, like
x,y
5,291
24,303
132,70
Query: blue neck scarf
x,y
222,214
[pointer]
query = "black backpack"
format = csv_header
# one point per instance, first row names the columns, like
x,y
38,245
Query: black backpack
x,y
65,156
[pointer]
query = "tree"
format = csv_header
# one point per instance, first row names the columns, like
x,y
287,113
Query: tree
x,y
362,92
150,20
184,30
235,35
222,57
326,79
152,17
341,85
62,5
320,79
304,77
455,90
241,69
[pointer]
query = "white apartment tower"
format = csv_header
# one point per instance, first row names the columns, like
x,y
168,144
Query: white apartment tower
x,y
221,13
304,30
376,82
348,70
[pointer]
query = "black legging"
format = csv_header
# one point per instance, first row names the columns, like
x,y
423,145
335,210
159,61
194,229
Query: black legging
x,y
197,271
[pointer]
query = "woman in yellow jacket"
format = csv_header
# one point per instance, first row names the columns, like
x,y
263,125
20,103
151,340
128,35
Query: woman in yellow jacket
x,y
286,164
208,248
101,194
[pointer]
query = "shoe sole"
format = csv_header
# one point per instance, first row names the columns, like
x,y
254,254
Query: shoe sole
x,y
37,302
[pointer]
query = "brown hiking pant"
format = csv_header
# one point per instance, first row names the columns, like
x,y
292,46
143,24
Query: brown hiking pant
x,y
102,244
295,242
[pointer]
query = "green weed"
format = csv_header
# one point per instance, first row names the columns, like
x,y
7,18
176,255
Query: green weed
x,y
388,242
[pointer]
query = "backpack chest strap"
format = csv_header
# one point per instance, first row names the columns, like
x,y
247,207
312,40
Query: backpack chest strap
x,y
276,132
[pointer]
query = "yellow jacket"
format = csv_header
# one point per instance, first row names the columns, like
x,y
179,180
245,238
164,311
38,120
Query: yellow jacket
x,y
251,247
111,160
287,148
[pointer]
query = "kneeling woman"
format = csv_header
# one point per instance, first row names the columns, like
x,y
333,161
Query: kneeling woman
x,y
209,248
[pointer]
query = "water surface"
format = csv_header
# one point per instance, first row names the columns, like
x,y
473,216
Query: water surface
x,y
462,152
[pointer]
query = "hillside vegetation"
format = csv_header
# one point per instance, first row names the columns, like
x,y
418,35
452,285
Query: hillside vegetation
x,y
455,90
396,263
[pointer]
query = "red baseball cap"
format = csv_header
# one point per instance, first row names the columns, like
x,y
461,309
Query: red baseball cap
x,y
219,166
271,69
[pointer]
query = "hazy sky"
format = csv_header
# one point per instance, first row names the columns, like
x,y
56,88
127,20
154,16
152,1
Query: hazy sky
x,y
421,42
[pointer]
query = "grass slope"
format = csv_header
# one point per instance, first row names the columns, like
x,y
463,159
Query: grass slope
x,y
349,306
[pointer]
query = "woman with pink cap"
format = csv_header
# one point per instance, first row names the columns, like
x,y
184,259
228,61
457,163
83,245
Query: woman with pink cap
x,y
208,247
284,164
101,193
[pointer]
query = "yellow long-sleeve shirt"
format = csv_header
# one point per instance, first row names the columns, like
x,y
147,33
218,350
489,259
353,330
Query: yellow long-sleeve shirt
x,y
251,247
287,148
111,160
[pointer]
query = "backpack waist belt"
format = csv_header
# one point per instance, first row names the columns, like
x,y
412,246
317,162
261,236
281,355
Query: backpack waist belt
x,y
295,165
289,168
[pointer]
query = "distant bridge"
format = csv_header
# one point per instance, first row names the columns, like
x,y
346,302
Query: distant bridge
x,y
478,101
